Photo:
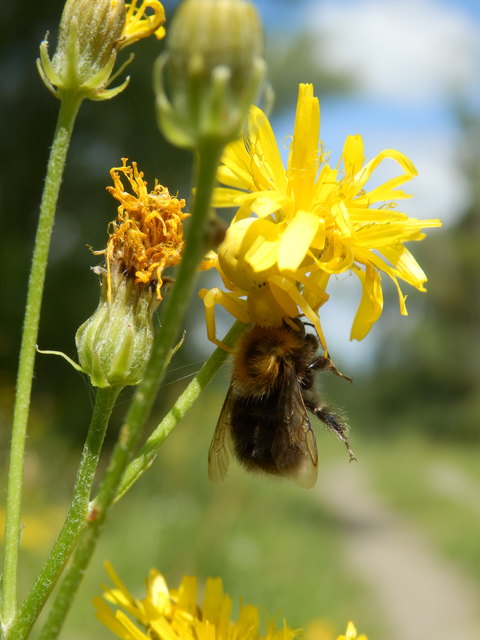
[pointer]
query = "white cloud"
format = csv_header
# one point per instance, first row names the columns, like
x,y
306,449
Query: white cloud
x,y
413,51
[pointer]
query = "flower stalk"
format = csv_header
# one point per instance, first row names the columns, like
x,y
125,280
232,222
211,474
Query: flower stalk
x,y
76,517
61,140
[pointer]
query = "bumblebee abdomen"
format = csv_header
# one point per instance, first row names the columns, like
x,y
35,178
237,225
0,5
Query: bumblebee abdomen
x,y
260,442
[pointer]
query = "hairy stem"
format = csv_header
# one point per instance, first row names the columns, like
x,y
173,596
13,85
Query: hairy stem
x,y
76,517
68,111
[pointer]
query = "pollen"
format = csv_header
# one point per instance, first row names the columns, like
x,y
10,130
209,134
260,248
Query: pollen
x,y
147,235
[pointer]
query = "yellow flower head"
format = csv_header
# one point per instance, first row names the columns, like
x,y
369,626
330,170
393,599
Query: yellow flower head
x,y
174,614
140,24
296,226
351,634
147,235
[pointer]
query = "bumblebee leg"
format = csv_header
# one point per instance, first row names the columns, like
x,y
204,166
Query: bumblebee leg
x,y
333,422
229,301
327,364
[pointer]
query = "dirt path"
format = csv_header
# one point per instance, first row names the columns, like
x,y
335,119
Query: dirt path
x,y
420,595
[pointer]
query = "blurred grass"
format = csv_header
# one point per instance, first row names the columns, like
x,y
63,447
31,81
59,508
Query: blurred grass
x,y
437,485
274,545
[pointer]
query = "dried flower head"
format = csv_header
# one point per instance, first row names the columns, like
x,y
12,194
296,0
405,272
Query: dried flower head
x,y
147,236
115,343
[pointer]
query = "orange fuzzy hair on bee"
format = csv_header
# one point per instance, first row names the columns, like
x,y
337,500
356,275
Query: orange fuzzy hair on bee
x,y
261,355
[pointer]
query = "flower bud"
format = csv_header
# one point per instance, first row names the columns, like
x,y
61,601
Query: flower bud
x,y
114,344
212,71
146,237
90,34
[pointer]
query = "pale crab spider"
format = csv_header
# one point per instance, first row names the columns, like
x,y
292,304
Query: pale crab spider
x,y
265,298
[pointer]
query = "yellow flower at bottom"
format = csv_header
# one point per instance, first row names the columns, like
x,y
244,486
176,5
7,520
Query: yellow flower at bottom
x,y
351,634
173,614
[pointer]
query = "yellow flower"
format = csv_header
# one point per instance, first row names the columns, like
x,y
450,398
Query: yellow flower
x,y
351,634
147,236
173,614
312,220
140,24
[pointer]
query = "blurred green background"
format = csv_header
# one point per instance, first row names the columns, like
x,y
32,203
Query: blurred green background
x,y
414,406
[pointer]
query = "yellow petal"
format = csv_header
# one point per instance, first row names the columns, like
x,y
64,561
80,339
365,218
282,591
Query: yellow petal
x,y
187,595
342,219
364,174
157,591
371,304
385,192
225,197
162,630
261,141
353,155
303,160
235,168
406,266
338,257
326,185
368,257
213,599
296,240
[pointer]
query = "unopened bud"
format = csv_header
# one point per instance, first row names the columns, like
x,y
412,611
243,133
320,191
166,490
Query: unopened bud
x,y
91,33
115,343
212,71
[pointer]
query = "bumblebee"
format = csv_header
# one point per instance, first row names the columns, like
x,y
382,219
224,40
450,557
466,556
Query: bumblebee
x,y
264,420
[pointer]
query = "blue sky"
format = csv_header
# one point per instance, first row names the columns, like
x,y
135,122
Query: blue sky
x,y
410,59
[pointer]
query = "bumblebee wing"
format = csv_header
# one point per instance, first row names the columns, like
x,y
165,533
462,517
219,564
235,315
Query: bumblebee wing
x,y
295,433
218,454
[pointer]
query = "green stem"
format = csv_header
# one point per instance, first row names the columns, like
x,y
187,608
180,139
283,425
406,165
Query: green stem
x,y
56,163
175,308
76,517
148,452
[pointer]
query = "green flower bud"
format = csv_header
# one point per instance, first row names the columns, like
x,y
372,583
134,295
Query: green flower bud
x,y
115,343
212,71
91,33
146,237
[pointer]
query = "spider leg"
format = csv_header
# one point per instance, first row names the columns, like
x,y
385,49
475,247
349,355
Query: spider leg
x,y
296,297
229,301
